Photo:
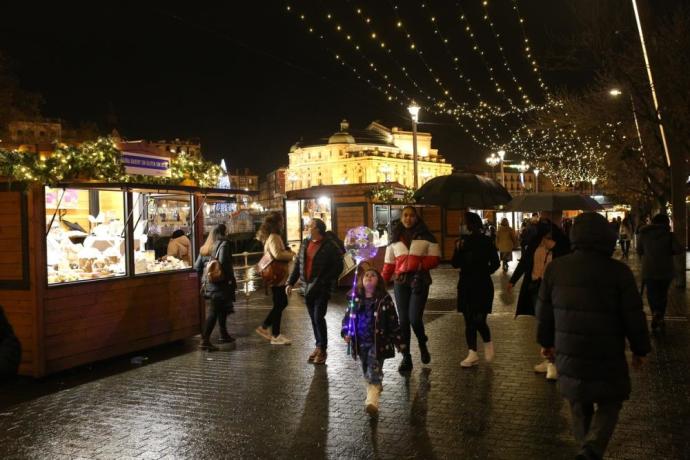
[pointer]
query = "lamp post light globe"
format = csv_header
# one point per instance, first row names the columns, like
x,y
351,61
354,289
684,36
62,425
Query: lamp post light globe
x,y
615,92
493,161
522,167
414,113
536,180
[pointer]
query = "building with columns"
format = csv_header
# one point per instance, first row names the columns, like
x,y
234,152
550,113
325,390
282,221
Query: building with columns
x,y
375,154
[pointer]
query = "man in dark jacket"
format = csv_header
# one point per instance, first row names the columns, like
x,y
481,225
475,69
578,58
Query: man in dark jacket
x,y
10,349
657,246
588,306
319,263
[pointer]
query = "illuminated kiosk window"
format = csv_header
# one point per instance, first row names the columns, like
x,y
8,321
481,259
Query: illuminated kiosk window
x,y
85,236
163,232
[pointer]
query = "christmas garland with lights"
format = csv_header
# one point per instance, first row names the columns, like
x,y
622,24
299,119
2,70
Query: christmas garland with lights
x,y
100,161
386,194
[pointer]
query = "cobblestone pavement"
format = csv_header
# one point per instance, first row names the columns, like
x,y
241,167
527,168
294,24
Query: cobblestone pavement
x,y
255,400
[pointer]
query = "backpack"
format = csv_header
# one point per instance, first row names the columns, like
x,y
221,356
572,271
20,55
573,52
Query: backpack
x,y
213,271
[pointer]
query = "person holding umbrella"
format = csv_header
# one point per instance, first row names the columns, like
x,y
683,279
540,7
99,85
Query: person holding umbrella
x,y
413,251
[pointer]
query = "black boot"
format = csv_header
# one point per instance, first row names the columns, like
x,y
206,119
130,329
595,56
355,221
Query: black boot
x,y
406,364
424,352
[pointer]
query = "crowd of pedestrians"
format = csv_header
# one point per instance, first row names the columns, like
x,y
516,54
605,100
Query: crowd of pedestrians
x,y
585,302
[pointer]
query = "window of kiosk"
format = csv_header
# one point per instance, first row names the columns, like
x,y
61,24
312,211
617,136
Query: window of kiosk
x,y
315,208
227,212
85,234
163,232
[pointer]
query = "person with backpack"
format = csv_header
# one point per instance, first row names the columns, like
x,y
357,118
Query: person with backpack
x,y
319,263
214,265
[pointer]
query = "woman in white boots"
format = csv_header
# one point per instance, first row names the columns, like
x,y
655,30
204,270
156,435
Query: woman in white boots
x,y
475,256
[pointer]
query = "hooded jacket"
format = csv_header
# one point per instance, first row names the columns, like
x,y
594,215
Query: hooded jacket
x,y
588,306
657,246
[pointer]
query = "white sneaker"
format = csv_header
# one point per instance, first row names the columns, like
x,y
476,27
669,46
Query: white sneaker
x,y
551,372
280,340
471,360
489,352
541,367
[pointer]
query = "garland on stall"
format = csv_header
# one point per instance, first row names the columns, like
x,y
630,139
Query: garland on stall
x,y
386,193
101,161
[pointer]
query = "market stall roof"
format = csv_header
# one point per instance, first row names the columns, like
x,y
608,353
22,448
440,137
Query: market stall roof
x,y
339,190
209,191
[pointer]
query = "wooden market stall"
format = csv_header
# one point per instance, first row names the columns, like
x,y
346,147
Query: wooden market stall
x,y
81,274
346,206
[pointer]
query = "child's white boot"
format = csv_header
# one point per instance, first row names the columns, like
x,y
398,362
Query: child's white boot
x,y
372,402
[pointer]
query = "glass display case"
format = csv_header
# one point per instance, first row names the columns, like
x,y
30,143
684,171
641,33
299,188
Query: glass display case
x,y
163,236
85,237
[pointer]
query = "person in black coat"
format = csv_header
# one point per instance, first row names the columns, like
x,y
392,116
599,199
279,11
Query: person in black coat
x,y
10,349
588,306
220,294
319,263
476,257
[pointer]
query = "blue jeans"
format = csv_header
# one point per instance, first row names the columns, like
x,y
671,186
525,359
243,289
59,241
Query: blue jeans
x,y
410,311
316,306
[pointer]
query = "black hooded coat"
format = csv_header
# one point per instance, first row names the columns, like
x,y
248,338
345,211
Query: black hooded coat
x,y
588,306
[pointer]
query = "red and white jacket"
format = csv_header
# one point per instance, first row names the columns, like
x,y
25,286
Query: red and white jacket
x,y
421,255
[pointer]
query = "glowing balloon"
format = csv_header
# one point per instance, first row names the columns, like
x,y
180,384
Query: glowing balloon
x,y
359,243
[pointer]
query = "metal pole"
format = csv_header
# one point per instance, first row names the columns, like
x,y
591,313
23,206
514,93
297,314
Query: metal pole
x,y
414,150
503,175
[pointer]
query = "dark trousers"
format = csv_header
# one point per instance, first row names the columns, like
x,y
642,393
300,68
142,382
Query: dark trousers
x,y
317,304
657,295
625,246
280,301
217,310
592,427
476,322
410,311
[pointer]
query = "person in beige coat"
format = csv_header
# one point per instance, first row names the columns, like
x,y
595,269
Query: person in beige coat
x,y
269,234
506,241
180,247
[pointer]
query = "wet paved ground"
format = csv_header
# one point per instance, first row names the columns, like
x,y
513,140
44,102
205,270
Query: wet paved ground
x,y
255,400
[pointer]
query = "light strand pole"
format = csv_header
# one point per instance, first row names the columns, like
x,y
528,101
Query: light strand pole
x,y
536,180
502,155
414,113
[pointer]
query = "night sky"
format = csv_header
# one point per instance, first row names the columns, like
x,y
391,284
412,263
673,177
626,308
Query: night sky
x,y
249,80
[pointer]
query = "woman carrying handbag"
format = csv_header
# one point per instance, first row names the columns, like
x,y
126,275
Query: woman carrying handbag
x,y
275,272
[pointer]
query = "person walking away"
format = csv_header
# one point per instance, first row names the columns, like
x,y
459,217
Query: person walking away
x,y
547,244
220,294
657,245
375,334
475,256
319,263
180,247
413,251
625,234
588,306
10,349
528,231
269,234
506,240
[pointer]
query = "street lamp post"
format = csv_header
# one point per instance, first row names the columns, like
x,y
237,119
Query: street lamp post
x,y
615,92
522,167
502,154
594,182
414,113
292,177
536,180
386,170
493,161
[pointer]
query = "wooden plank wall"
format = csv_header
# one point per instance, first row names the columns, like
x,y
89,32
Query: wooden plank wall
x,y
19,303
93,321
349,216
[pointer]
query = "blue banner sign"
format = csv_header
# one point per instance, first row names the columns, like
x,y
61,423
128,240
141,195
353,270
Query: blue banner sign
x,y
146,165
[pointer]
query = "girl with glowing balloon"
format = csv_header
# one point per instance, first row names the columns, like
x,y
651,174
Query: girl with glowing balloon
x,y
370,327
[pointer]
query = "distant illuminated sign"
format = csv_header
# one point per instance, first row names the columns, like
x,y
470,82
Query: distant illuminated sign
x,y
146,165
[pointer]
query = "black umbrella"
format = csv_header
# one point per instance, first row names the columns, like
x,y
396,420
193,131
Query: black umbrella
x,y
553,201
462,191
